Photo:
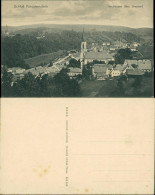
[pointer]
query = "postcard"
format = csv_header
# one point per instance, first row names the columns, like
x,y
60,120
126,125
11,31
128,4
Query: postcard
x,y
61,48
77,106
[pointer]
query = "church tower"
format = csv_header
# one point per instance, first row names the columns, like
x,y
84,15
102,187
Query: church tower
x,y
83,50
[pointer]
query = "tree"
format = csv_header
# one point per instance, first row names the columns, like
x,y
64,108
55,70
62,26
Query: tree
x,y
111,62
27,87
74,63
123,54
134,65
98,62
6,82
87,72
66,87
51,63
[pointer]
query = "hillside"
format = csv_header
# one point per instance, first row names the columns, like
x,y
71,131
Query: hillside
x,y
79,27
30,42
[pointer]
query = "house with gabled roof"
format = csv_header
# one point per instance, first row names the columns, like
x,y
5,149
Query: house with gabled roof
x,y
100,71
122,68
73,72
144,65
99,56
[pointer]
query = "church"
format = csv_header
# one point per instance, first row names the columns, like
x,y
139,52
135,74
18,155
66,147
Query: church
x,y
86,57
90,56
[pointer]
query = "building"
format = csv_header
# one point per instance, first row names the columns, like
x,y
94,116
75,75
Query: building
x,y
76,56
112,48
83,50
86,57
144,65
130,62
118,44
135,44
66,61
98,56
122,68
133,49
73,72
106,43
100,71
134,72
16,70
115,72
110,68
41,70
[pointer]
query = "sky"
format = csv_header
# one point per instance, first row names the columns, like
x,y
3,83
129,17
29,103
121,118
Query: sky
x,y
138,14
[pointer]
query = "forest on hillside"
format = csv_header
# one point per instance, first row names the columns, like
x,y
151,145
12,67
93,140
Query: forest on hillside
x,y
15,49
19,47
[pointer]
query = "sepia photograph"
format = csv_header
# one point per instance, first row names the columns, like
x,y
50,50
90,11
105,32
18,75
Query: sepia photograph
x,y
77,99
100,48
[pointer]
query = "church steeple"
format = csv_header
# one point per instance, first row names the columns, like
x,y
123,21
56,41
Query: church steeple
x,y
83,50
83,35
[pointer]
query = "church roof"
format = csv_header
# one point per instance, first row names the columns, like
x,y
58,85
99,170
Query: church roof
x,y
98,55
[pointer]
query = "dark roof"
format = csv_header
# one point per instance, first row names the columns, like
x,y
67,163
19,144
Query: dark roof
x,y
100,69
134,72
98,55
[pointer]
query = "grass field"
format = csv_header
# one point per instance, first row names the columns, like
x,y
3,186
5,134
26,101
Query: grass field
x,y
44,58
108,88
97,88
90,88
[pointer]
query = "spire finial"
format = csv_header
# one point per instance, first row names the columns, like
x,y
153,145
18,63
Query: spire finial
x,y
83,35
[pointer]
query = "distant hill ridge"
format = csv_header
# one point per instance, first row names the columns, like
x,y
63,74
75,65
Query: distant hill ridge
x,y
79,27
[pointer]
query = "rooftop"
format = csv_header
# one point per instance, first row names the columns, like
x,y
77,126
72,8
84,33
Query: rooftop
x,y
134,72
76,55
142,64
110,67
120,67
100,68
98,55
75,70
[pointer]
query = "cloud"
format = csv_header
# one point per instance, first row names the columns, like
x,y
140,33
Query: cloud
x,y
82,8
95,12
